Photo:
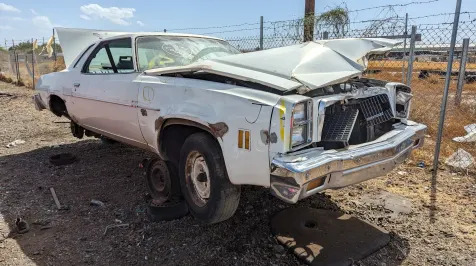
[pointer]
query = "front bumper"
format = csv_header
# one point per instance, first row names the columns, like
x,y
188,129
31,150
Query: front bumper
x,y
301,174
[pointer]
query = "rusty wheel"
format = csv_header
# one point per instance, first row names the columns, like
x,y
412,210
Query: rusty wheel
x,y
159,181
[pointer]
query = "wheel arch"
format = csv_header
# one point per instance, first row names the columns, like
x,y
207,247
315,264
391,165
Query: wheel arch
x,y
57,105
172,133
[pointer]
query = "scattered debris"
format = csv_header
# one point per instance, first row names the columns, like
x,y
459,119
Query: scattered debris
x,y
7,95
55,198
22,225
97,203
15,143
470,137
42,222
461,159
114,226
46,227
421,164
395,203
62,159
403,173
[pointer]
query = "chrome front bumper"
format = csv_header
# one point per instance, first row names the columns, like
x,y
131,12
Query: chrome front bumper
x,y
292,173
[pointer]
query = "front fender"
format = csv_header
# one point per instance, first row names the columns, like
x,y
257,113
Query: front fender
x,y
221,109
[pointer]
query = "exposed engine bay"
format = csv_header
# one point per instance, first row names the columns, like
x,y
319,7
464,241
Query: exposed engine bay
x,y
362,111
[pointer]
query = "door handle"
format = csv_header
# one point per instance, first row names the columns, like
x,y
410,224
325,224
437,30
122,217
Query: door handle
x,y
76,85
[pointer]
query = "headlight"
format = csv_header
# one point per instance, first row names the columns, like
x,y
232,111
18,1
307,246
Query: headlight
x,y
402,104
301,124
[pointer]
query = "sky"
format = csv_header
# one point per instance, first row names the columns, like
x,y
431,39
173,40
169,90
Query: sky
x,y
21,20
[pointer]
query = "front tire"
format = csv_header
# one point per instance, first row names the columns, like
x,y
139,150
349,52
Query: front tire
x,y
211,196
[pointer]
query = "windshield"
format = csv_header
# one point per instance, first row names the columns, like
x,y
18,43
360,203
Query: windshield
x,y
169,51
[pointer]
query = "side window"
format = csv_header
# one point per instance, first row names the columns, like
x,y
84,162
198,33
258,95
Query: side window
x,y
112,57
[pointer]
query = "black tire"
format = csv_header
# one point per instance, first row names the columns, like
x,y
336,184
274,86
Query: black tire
x,y
224,197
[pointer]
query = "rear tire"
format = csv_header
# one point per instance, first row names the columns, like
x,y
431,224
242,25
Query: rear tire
x,y
210,195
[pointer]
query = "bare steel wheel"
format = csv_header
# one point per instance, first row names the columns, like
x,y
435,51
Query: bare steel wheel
x,y
210,195
197,170
160,181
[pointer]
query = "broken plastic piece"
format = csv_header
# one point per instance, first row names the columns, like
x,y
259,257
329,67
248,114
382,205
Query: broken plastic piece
x,y
461,159
470,137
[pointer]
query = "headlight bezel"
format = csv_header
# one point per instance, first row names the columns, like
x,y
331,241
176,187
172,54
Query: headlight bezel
x,y
306,123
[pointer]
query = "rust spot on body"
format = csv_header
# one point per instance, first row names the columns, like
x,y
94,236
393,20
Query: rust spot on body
x,y
264,136
273,138
219,129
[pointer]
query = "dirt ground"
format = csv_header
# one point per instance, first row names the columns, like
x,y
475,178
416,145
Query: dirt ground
x,y
441,231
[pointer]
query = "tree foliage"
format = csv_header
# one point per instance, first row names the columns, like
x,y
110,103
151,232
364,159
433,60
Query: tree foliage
x,y
26,47
337,18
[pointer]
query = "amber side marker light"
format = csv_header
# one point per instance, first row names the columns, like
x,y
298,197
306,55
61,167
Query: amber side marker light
x,y
316,183
240,139
244,141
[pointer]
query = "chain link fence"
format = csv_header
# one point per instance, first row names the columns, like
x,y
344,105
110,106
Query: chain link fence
x,y
22,62
420,62
23,68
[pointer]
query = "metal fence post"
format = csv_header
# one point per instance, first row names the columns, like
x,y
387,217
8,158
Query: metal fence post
x,y
54,45
462,71
411,56
404,47
325,35
33,62
18,69
445,92
261,33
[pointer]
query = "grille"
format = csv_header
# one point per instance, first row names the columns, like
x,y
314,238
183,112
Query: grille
x,y
338,126
376,109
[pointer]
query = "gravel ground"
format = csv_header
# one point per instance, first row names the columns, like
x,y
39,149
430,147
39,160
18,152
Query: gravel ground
x,y
442,232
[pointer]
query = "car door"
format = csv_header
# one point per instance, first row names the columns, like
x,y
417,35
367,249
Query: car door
x,y
105,95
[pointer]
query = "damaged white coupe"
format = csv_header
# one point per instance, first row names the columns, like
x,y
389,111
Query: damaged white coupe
x,y
297,119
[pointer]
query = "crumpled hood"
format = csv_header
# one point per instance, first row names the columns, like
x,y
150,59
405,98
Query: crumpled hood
x,y
312,64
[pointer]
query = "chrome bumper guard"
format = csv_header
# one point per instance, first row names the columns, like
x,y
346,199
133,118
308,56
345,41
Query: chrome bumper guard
x,y
292,173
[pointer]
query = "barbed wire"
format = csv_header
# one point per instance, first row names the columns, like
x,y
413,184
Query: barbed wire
x,y
394,5
283,21
216,27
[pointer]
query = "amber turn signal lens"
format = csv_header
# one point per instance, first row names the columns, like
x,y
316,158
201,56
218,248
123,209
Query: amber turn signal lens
x,y
240,139
247,140
316,183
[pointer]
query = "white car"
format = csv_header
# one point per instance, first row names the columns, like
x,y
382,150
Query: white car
x,y
297,119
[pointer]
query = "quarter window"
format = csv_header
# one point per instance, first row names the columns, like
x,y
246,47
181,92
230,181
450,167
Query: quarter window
x,y
111,57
